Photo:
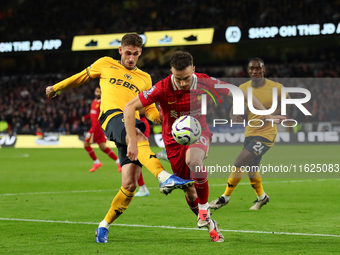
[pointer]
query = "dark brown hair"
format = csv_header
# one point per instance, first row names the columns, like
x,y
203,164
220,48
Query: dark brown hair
x,y
133,40
181,60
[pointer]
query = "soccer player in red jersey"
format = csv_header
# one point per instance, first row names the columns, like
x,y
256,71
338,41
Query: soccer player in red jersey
x,y
96,134
179,94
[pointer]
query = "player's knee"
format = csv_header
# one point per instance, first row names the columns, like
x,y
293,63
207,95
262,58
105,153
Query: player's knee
x,y
130,186
140,136
102,147
193,161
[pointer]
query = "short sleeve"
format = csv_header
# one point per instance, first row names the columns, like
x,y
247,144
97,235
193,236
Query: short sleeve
x,y
151,95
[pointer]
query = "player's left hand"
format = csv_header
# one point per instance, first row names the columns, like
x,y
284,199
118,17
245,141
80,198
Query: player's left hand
x,y
50,93
277,119
132,151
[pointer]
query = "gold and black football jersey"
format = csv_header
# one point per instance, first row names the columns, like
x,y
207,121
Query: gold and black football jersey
x,y
118,84
265,95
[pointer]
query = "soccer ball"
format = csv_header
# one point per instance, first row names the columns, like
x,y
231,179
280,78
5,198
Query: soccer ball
x,y
186,130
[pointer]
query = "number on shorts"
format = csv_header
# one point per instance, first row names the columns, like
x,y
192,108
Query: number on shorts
x,y
258,147
203,140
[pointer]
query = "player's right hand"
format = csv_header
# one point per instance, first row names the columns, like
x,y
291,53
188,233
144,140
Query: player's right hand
x,y
132,151
50,93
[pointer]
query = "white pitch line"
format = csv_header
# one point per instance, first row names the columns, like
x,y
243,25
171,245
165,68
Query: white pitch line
x,y
172,227
15,156
58,192
109,190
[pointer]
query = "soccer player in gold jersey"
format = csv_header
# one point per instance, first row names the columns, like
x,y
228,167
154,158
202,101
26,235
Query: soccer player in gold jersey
x,y
121,81
258,140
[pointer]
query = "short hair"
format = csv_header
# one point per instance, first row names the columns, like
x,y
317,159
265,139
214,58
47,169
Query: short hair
x,y
181,60
133,40
256,59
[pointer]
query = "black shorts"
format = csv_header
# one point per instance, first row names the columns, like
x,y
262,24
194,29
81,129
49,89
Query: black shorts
x,y
115,132
258,146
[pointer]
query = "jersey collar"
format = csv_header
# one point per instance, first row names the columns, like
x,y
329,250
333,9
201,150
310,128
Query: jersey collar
x,y
193,85
134,69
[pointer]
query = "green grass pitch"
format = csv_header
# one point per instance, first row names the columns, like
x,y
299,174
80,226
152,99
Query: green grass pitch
x,y
51,204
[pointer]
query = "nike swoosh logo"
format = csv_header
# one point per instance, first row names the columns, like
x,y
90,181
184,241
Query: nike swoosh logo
x,y
170,184
172,102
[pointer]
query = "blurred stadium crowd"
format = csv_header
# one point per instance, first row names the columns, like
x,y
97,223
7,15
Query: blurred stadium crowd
x,y
24,106
30,20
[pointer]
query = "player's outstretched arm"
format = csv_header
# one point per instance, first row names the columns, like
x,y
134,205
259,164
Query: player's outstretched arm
x,y
130,122
71,82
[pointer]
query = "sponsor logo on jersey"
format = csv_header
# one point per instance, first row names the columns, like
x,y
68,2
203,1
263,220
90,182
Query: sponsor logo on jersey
x,y
172,102
125,84
128,76
173,114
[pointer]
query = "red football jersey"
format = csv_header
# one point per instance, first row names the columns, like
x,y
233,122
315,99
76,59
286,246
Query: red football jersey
x,y
94,114
175,102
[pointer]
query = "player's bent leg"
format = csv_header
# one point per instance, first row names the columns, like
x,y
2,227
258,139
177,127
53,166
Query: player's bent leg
x,y
243,159
259,203
96,163
121,201
256,183
192,199
214,232
147,158
194,160
234,178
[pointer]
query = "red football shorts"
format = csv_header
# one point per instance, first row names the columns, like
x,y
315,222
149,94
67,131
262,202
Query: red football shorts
x,y
177,154
95,136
